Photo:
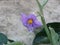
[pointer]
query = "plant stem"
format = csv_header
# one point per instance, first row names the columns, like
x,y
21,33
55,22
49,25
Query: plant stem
x,y
43,20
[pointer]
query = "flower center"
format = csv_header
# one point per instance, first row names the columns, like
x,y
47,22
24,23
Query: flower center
x,y
30,21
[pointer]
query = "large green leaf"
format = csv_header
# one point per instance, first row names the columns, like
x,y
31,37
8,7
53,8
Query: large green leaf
x,y
3,39
55,26
54,37
1,43
40,37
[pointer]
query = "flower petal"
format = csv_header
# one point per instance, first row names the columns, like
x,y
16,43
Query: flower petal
x,y
24,19
32,16
37,24
23,16
30,28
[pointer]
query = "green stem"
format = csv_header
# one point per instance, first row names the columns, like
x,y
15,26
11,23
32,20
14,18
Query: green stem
x,y
43,20
45,3
45,27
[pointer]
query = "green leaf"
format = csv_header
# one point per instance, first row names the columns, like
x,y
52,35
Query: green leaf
x,y
41,36
54,37
42,3
59,40
55,26
41,40
1,43
3,38
15,43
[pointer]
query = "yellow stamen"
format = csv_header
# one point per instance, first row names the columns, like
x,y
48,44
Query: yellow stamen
x,y
30,21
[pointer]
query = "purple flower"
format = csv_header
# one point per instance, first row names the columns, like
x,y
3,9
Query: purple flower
x,y
30,21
